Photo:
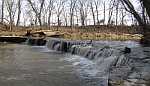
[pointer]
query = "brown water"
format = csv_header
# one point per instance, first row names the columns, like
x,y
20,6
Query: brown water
x,y
22,65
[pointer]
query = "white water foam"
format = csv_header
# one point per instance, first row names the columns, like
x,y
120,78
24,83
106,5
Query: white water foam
x,y
88,70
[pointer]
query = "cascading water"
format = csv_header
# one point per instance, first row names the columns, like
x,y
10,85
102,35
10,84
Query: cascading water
x,y
99,59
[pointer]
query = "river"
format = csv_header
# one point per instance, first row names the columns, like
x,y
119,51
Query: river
x,y
23,65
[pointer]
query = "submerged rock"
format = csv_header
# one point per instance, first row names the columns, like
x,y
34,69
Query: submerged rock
x,y
36,42
127,50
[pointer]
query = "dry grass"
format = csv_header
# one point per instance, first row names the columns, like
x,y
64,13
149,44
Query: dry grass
x,y
101,36
78,34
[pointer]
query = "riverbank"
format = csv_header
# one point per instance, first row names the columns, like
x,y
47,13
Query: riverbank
x,y
101,36
86,33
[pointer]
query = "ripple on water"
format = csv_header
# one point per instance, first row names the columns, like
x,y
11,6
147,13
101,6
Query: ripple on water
x,y
87,71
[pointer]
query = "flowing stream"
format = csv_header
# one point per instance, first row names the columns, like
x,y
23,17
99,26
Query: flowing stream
x,y
23,65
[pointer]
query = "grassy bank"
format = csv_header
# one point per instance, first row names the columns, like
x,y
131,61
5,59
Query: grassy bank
x,y
86,33
101,36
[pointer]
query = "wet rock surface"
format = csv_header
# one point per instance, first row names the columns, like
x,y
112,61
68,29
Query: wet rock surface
x,y
124,66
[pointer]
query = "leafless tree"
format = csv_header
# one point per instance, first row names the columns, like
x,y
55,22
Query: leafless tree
x,y
37,13
146,4
19,12
104,11
65,16
76,15
146,29
50,9
97,12
11,11
59,8
111,7
2,11
83,8
72,8
93,13
117,11
123,14
130,8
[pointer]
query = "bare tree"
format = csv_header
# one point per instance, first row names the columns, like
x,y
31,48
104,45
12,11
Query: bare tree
x,y
82,15
130,8
146,29
72,8
104,9
37,13
146,4
123,14
83,8
111,7
97,12
93,13
2,11
11,11
19,12
59,10
117,11
50,9
65,16
76,15
143,13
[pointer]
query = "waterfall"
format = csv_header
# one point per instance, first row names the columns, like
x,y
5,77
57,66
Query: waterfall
x,y
104,57
35,41
87,50
107,62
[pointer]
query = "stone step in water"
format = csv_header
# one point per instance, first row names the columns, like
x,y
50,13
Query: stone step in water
x,y
106,57
13,39
118,63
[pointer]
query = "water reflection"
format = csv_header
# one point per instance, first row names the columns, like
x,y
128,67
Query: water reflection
x,y
22,65
6,54
127,66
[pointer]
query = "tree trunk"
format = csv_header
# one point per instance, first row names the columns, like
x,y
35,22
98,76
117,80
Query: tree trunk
x,y
65,18
146,4
146,36
49,18
38,14
19,12
112,3
71,19
2,11
145,26
10,21
72,8
93,14
117,8
104,13
97,12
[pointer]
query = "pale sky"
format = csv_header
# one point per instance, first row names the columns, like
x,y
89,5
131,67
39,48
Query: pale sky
x,y
27,13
